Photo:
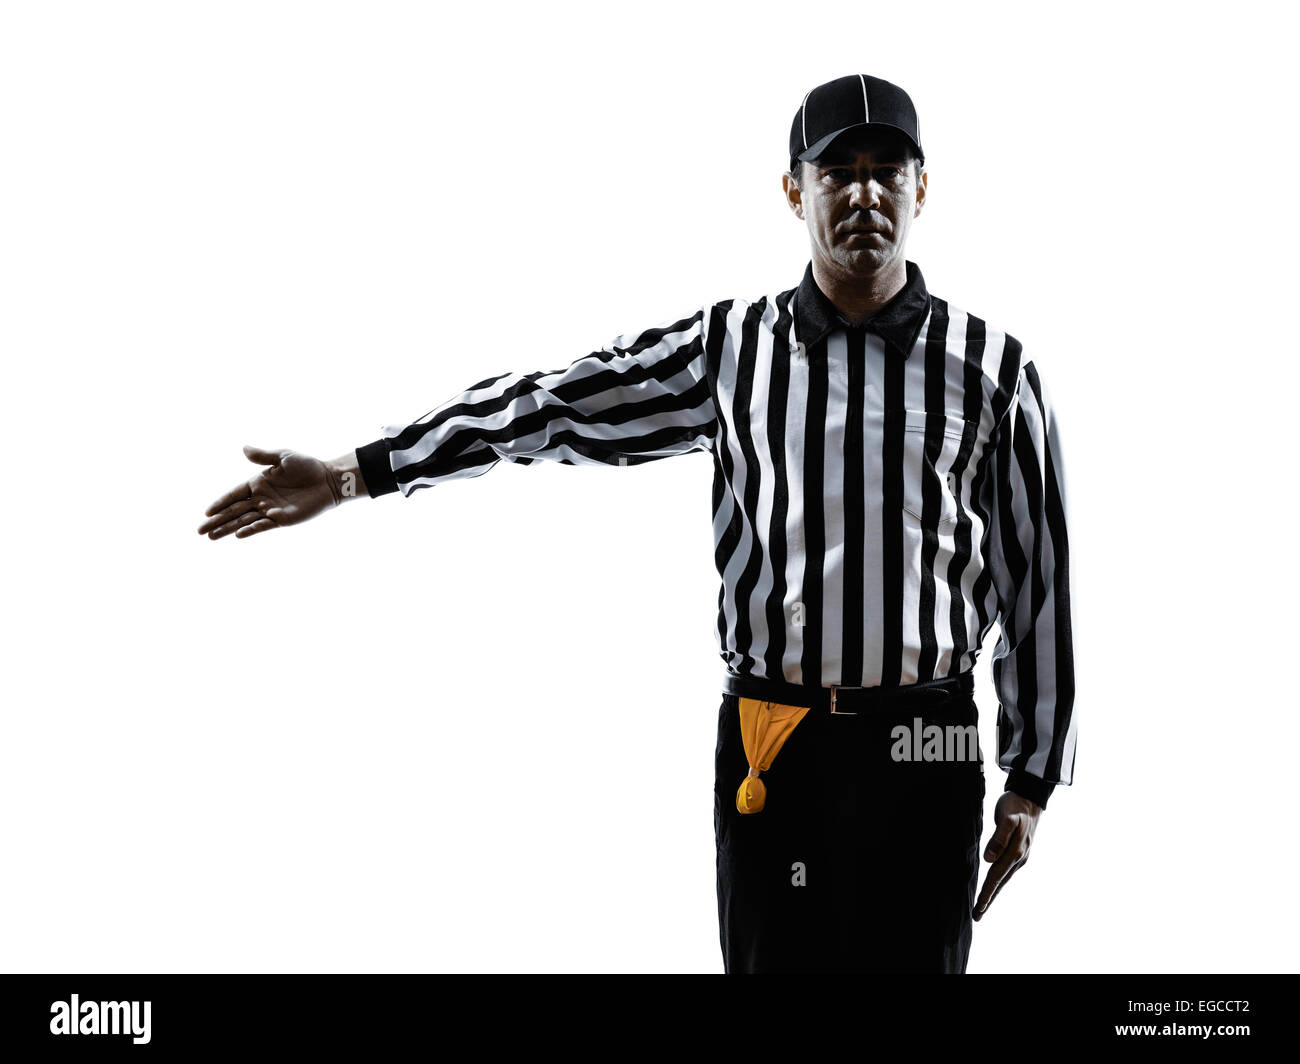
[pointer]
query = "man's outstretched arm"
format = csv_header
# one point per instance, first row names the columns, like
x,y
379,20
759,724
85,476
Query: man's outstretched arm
x,y
643,396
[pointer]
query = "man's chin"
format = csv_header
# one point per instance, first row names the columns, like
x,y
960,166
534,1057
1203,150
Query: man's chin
x,y
864,260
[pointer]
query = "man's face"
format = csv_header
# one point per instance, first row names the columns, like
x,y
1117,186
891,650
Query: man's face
x,y
858,201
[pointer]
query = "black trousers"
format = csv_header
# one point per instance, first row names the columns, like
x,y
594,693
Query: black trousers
x,y
858,862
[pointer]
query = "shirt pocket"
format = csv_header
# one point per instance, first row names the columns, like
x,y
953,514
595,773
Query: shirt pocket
x,y
932,445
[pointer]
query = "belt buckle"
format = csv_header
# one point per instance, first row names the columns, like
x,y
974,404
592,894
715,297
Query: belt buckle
x,y
842,712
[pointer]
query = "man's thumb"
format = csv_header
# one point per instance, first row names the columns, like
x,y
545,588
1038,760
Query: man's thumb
x,y
262,457
998,842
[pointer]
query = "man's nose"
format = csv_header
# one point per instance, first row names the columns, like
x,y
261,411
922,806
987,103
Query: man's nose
x,y
864,194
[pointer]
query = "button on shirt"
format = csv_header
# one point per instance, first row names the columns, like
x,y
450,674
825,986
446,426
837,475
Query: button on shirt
x,y
883,494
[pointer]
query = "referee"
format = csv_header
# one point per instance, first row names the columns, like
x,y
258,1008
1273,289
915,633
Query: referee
x,y
887,487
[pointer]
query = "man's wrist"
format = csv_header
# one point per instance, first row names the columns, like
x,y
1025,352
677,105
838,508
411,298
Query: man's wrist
x,y
345,478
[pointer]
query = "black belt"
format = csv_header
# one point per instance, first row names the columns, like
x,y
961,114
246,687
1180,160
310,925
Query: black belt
x,y
847,701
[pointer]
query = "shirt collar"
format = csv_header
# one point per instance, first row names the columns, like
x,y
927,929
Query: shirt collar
x,y
898,322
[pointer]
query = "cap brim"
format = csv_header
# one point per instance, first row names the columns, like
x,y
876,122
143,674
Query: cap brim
x,y
815,149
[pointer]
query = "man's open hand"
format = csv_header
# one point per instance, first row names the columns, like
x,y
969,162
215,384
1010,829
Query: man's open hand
x,y
1009,848
293,489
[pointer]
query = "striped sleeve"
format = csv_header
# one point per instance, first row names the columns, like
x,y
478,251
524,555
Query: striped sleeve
x,y
1033,662
643,396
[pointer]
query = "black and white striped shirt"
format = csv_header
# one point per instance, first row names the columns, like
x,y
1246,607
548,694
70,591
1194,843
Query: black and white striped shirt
x,y
882,494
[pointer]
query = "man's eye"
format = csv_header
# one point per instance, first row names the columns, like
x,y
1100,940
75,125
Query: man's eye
x,y
891,172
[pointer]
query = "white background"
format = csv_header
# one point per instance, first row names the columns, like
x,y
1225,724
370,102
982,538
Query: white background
x,y
473,730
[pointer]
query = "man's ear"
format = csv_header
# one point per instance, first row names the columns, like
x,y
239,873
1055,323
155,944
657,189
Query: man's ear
x,y
920,193
793,196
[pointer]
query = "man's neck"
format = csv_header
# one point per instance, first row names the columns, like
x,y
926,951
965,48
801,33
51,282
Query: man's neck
x,y
858,296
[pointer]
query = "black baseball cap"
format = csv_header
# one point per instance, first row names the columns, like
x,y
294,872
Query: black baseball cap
x,y
854,101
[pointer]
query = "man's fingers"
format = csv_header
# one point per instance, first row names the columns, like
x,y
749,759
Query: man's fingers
x,y
992,883
229,513
264,457
255,528
236,524
992,880
999,875
240,491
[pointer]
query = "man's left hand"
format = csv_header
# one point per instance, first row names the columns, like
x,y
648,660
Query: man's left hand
x,y
1009,848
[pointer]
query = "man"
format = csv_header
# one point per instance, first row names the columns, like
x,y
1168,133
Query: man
x,y
888,485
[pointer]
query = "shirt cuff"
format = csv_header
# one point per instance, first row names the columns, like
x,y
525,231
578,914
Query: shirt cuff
x,y
376,469
1036,789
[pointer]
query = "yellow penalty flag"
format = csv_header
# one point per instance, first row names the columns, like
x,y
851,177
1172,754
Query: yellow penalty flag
x,y
764,728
